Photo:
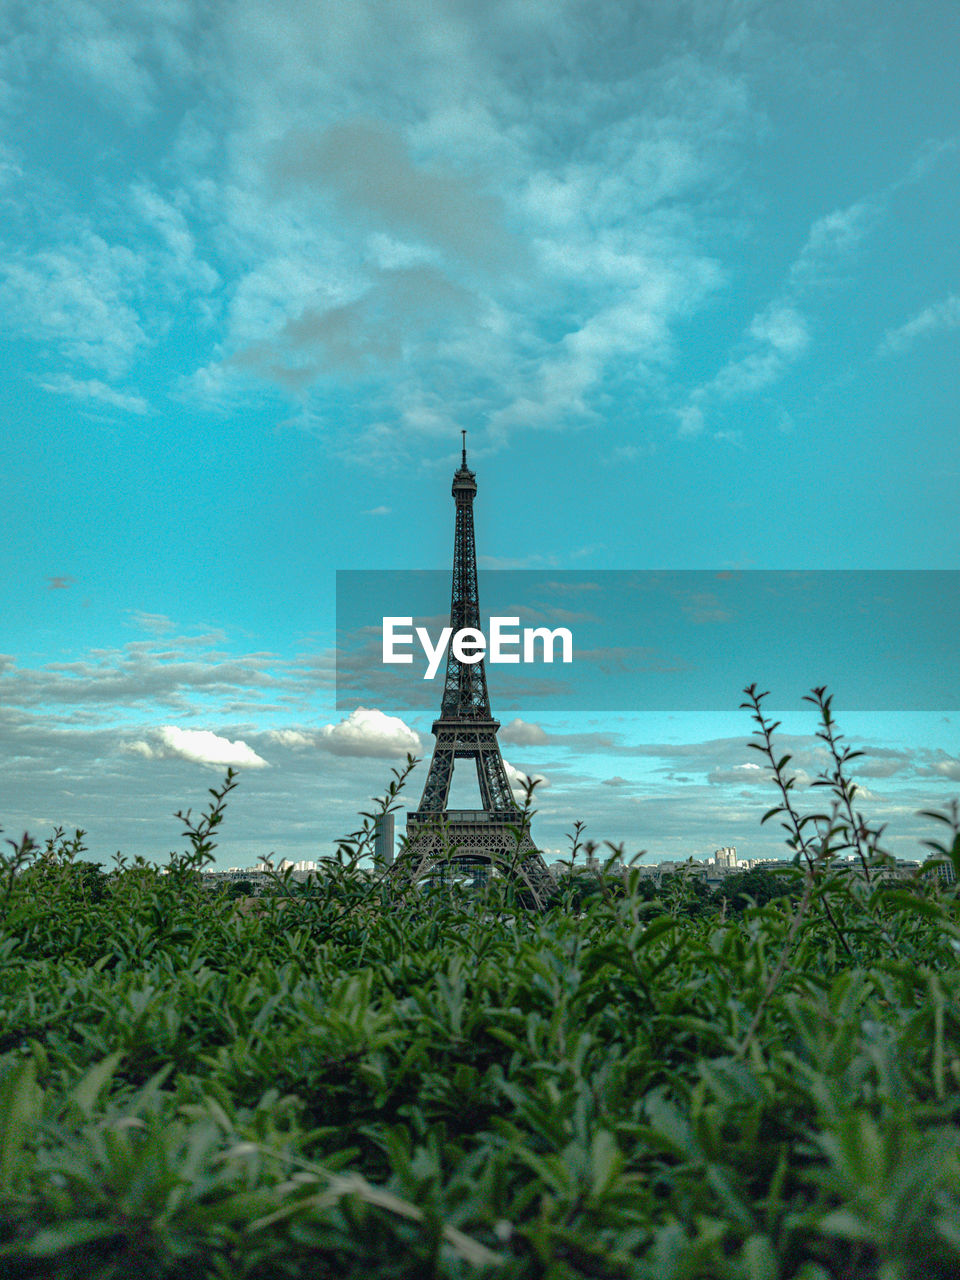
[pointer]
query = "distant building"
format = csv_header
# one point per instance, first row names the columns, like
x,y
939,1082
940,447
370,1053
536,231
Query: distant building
x,y
383,840
253,876
942,868
712,871
299,871
889,869
715,870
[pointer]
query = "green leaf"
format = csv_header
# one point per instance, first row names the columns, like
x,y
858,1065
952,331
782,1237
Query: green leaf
x,y
87,1091
20,1102
846,1224
669,1125
606,1162
656,929
760,1259
69,1235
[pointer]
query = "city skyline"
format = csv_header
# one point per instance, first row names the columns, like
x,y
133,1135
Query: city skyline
x,y
686,274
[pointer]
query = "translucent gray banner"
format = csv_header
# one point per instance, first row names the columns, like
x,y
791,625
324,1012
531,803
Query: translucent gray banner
x,y
682,640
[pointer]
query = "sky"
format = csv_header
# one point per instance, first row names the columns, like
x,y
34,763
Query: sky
x,y
687,274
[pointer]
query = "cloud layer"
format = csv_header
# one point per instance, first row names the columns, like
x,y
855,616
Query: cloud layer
x,y
370,733
200,746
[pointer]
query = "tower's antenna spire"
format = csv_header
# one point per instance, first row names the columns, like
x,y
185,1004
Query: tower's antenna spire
x,y
464,434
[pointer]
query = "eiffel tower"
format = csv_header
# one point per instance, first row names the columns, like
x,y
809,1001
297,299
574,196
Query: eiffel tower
x,y
480,839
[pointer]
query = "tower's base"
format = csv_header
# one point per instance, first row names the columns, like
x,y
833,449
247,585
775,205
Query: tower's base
x,y
473,844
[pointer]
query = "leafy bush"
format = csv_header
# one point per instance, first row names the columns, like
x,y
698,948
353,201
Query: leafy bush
x,y
364,1082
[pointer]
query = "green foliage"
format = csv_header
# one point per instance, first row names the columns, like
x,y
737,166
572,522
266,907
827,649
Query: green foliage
x,y
358,1081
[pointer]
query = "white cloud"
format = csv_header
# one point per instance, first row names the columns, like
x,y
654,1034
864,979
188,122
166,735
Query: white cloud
x,y
80,296
883,763
782,327
369,732
368,165
862,793
779,335
947,768
109,61
522,733
282,281
703,608
690,420
397,311
749,774
200,746
182,673
381,187
170,224
64,772
156,623
833,238
166,219
460,243
292,738
775,339
124,56
933,319
93,389
516,779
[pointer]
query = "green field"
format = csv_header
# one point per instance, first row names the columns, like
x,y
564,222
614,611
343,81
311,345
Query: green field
x,y
363,1082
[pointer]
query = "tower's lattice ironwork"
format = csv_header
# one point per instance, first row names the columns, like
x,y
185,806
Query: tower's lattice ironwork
x,y
474,840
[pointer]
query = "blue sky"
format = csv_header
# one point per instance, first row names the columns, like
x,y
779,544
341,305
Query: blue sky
x,y
686,272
